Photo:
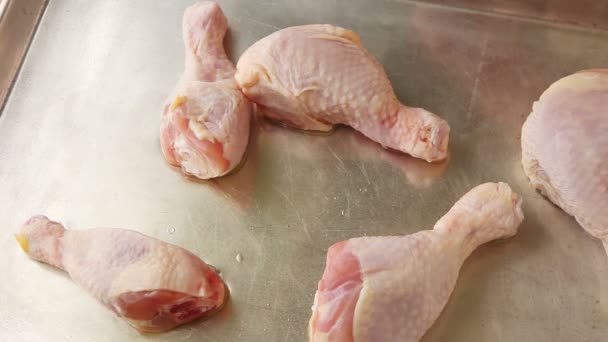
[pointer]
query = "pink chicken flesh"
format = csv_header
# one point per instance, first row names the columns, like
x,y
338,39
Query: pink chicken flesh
x,y
316,76
565,148
205,122
393,288
151,284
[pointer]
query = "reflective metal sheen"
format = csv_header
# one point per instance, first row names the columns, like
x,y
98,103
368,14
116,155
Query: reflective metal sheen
x,y
79,142
18,19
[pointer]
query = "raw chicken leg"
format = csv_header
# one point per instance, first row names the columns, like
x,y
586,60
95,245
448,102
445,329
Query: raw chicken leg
x,y
153,285
393,288
565,148
205,123
316,76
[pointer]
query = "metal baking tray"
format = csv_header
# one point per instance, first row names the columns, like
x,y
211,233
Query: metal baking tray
x,y
79,142
18,20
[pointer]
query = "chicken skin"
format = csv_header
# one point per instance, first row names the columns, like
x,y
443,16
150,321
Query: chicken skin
x,y
393,288
204,127
316,76
151,284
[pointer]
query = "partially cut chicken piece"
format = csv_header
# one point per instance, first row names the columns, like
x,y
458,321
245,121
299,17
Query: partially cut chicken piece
x,y
565,148
151,284
205,122
393,288
316,76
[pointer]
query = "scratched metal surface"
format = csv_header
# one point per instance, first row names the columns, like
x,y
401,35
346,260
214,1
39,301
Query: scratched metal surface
x,y
79,142
590,13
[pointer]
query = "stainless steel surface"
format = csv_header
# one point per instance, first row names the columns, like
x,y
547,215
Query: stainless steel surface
x,y
79,142
18,20
591,13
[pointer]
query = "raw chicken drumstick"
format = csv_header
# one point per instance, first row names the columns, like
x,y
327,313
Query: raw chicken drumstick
x,y
393,288
205,122
565,148
151,284
316,76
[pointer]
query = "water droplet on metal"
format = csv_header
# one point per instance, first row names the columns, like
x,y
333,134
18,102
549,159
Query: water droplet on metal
x,y
171,230
239,257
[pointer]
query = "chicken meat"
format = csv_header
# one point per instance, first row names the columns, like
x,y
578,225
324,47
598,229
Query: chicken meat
x,y
205,123
393,288
565,148
316,76
151,284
